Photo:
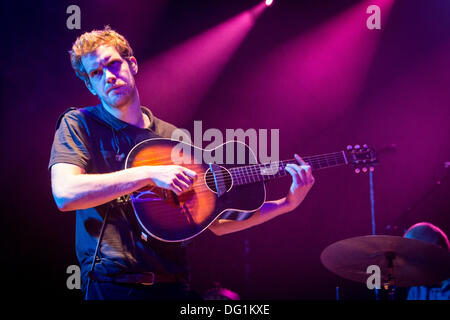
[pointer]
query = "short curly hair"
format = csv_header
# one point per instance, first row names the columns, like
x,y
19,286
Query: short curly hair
x,y
88,42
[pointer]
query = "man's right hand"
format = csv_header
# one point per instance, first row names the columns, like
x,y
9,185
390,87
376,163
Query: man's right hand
x,y
172,177
73,189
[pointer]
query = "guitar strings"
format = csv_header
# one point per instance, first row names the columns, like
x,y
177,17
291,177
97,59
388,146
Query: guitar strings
x,y
251,173
175,214
254,171
315,163
239,177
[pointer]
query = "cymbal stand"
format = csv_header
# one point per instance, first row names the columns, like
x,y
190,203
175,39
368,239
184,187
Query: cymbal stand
x,y
372,212
389,284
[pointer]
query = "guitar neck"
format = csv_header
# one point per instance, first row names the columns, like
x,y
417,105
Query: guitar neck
x,y
264,172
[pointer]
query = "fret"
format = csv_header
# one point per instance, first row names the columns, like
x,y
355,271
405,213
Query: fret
x,y
252,172
326,161
248,175
332,161
257,169
244,175
256,173
239,177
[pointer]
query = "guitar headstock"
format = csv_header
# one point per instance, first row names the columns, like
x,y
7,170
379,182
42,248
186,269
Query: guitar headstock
x,y
363,158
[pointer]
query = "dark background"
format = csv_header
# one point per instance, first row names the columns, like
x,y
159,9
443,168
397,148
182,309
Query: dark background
x,y
403,98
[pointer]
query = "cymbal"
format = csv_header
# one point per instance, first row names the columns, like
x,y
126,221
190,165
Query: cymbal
x,y
414,262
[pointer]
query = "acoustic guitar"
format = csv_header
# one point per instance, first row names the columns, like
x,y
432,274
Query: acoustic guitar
x,y
229,179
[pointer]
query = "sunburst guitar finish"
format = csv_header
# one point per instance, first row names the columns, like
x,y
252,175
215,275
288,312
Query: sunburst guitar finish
x,y
218,188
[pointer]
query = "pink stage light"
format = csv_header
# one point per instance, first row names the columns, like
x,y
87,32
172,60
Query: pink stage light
x,y
269,2
176,81
317,75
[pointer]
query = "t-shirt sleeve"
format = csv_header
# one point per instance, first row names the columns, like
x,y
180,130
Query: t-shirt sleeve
x,y
69,144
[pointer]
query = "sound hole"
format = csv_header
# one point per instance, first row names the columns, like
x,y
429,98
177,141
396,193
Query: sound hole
x,y
224,180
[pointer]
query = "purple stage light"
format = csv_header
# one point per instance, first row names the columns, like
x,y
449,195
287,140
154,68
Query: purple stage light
x,y
176,81
315,76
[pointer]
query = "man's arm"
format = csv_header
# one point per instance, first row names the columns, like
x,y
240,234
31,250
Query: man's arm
x,y
302,181
73,189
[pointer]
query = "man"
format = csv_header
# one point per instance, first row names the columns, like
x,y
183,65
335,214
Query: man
x,y
430,233
87,175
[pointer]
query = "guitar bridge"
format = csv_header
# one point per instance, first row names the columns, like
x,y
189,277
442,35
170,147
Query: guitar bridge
x,y
218,179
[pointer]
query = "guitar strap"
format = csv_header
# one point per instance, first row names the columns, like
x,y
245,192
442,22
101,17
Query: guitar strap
x,y
94,259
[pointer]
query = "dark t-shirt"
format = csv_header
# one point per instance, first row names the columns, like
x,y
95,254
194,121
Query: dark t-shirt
x,y
96,141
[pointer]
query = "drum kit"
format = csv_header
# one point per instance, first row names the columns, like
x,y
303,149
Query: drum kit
x,y
402,262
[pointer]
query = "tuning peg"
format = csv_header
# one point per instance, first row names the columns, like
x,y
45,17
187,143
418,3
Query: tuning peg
x,y
364,169
372,169
349,147
357,170
357,147
365,146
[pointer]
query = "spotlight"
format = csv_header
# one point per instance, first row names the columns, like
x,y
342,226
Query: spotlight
x,y
269,2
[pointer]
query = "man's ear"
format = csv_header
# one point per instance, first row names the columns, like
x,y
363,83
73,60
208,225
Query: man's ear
x,y
89,86
132,62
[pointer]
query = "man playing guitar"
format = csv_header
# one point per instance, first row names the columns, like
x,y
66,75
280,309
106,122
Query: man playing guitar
x,y
88,176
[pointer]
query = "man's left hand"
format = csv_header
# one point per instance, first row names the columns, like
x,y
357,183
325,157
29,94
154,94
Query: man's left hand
x,y
302,181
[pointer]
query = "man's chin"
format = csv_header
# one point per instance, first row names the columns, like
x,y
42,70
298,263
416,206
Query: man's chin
x,y
118,102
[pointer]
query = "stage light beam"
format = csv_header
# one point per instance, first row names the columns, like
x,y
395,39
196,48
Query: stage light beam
x,y
318,74
176,81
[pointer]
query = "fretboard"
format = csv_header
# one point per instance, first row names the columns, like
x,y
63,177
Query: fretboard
x,y
263,172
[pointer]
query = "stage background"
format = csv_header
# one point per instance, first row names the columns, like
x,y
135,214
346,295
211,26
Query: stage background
x,y
401,97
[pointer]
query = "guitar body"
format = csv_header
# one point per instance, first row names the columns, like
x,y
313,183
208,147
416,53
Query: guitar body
x,y
171,218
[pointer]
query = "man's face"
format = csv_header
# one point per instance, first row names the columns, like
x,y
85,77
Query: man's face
x,y
111,76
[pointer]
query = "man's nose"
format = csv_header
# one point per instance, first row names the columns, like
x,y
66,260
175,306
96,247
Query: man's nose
x,y
110,77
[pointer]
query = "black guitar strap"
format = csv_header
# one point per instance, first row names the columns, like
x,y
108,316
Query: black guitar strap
x,y
94,259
